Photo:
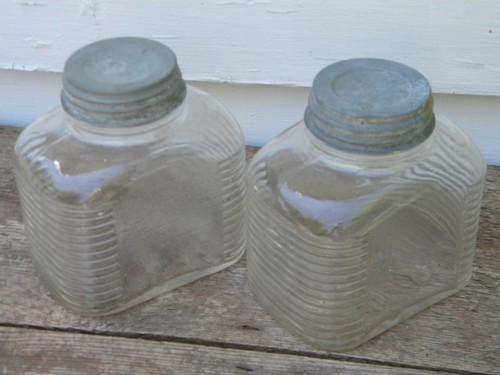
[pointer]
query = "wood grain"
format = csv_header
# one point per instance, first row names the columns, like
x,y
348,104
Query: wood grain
x,y
33,351
459,334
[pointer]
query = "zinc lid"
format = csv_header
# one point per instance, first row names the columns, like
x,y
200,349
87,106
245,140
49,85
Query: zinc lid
x,y
370,106
122,82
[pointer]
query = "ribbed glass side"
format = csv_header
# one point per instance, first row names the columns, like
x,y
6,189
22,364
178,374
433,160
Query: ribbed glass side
x,y
74,248
303,279
338,256
111,224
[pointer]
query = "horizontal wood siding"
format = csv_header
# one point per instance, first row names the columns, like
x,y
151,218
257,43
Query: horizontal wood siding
x,y
453,42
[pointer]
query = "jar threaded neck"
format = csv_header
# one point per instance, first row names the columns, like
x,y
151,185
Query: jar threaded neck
x,y
122,82
370,106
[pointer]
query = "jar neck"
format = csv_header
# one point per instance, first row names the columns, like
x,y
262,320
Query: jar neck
x,y
131,135
352,160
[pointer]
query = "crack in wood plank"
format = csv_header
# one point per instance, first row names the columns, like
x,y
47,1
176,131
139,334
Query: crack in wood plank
x,y
248,348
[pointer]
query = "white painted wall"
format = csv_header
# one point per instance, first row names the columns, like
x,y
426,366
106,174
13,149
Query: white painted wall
x,y
262,110
268,50
455,43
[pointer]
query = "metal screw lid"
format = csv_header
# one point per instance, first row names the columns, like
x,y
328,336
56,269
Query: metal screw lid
x,y
370,106
122,82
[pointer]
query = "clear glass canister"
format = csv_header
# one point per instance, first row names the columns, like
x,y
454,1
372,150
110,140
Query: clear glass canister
x,y
135,186
364,213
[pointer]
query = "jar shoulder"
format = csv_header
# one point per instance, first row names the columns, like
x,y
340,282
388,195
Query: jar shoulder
x,y
294,155
206,116
201,123
301,181
458,151
76,166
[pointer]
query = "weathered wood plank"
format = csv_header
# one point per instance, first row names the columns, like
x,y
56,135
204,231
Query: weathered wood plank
x,y
462,332
31,351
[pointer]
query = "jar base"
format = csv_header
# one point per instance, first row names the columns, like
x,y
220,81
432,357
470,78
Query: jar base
x,y
155,292
379,329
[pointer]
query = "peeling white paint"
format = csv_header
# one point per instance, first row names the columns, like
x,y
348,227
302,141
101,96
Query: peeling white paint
x,y
89,8
165,37
29,68
30,3
37,43
243,2
280,11
328,60
480,66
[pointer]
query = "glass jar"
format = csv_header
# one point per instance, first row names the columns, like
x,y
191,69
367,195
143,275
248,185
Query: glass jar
x,y
365,212
135,186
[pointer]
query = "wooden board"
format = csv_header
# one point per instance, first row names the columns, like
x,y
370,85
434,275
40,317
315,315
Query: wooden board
x,y
38,351
460,334
285,42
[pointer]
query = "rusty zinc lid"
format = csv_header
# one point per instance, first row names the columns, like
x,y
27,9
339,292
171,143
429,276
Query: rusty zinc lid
x,y
122,82
370,106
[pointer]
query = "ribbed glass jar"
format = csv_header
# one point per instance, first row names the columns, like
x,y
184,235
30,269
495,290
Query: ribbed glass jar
x,y
364,213
135,187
